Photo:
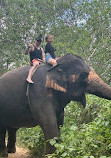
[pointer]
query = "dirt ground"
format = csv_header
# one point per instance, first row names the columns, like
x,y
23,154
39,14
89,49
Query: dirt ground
x,y
20,153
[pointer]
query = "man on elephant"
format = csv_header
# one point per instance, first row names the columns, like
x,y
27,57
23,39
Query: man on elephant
x,y
36,56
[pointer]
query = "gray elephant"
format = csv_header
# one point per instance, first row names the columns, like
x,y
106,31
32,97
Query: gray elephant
x,y
43,103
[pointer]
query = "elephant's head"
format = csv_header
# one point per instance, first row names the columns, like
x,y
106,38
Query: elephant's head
x,y
75,78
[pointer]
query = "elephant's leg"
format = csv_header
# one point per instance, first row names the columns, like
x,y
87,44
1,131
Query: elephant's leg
x,y
11,140
3,149
61,119
50,130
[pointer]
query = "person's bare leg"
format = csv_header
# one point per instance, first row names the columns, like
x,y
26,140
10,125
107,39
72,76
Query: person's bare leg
x,y
30,74
35,64
52,62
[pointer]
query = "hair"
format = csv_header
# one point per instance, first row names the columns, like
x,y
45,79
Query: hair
x,y
46,38
39,38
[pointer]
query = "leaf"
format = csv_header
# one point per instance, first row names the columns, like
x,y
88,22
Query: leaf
x,y
64,154
73,128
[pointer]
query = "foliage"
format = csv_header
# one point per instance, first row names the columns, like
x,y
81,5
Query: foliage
x,y
86,132
82,139
79,27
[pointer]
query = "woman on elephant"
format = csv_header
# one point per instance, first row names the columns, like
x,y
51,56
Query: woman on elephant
x,y
49,51
36,56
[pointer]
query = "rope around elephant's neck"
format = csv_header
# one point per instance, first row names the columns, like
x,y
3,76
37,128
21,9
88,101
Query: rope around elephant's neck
x,y
28,91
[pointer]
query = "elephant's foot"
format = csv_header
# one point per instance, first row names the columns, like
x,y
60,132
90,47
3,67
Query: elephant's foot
x,y
50,149
3,153
11,150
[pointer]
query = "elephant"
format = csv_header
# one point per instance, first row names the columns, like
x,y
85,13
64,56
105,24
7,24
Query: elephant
x,y
43,103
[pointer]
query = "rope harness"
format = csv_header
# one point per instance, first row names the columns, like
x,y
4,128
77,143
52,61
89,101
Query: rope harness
x,y
28,97
28,90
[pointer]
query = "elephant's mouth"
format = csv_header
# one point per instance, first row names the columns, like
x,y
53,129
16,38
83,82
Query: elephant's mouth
x,y
51,84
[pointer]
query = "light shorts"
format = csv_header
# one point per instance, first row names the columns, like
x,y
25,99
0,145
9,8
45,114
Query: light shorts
x,y
48,57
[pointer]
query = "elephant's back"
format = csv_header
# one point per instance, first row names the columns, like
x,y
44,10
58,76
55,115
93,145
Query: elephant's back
x,y
23,71
13,85
16,72
14,82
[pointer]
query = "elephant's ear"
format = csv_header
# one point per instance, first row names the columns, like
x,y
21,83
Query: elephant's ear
x,y
52,84
56,79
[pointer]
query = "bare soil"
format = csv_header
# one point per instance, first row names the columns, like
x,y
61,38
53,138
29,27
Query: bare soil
x,y
20,153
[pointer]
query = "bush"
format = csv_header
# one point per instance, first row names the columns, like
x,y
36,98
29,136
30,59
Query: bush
x,y
81,138
33,138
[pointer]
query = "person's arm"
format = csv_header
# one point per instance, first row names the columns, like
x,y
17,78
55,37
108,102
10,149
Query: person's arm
x,y
43,55
47,48
29,49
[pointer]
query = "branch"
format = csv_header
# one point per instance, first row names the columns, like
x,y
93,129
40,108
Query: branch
x,y
89,59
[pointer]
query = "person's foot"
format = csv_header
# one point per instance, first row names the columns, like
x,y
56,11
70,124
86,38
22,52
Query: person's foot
x,y
29,80
54,64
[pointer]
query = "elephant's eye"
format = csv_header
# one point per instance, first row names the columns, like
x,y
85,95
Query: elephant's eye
x,y
60,70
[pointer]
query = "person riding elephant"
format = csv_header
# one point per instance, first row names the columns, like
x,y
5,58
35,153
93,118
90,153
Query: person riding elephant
x,y
50,51
36,55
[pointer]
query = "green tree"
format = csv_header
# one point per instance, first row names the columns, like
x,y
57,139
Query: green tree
x,y
79,27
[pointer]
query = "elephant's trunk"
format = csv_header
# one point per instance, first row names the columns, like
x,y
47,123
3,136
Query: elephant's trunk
x,y
97,86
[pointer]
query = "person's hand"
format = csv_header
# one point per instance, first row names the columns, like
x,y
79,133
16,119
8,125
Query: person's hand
x,y
44,60
31,47
56,59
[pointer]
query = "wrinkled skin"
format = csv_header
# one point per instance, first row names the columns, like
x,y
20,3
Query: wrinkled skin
x,y
53,88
